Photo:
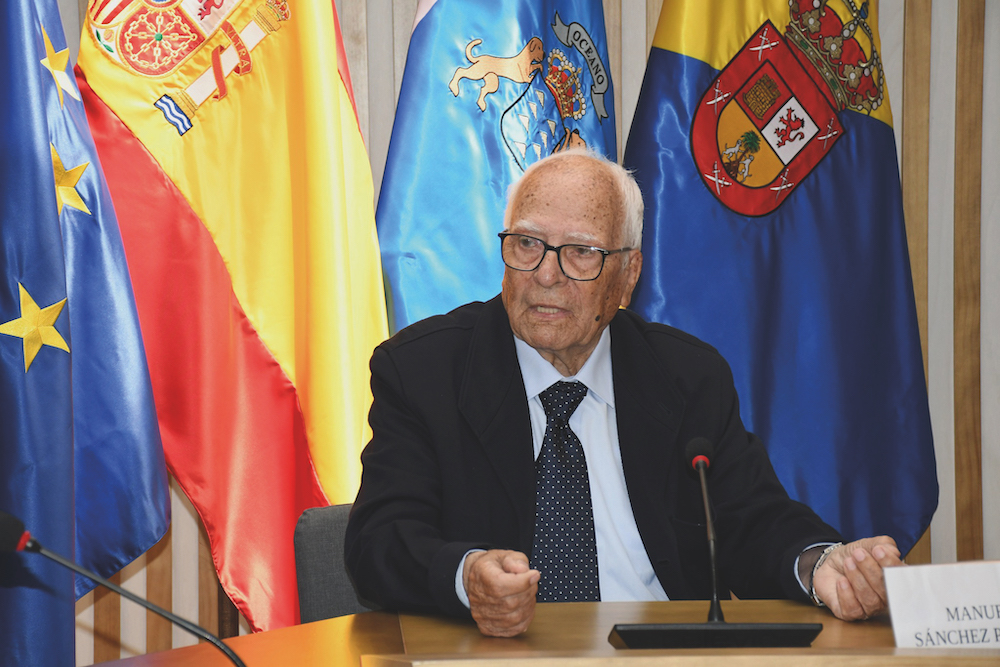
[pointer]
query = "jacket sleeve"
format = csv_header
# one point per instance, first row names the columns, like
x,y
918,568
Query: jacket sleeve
x,y
394,546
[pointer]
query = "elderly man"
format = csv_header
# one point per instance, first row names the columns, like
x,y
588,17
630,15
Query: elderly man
x,y
532,447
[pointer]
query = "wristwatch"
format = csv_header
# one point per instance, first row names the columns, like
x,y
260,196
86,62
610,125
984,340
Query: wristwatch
x,y
812,580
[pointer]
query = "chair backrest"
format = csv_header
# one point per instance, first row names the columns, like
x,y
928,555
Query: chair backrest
x,y
325,587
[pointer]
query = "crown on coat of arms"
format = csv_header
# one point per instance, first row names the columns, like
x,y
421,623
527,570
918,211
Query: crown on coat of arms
x,y
269,14
854,78
563,80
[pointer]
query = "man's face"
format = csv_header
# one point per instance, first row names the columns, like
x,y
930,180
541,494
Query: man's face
x,y
573,201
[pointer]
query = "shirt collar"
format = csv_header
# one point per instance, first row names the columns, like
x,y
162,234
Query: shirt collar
x,y
538,374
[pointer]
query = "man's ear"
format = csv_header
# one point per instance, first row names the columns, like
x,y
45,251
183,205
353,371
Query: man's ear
x,y
632,271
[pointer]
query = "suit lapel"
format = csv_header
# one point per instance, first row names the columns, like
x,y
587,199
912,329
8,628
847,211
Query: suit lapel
x,y
649,412
494,403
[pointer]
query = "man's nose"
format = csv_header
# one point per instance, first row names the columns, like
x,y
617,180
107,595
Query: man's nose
x,y
549,271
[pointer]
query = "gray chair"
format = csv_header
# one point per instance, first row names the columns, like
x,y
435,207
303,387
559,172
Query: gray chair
x,y
325,587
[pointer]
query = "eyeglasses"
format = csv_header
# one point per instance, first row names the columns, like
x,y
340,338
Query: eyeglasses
x,y
578,262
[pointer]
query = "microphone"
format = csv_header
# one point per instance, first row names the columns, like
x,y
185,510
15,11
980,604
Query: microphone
x,y
698,452
14,537
715,633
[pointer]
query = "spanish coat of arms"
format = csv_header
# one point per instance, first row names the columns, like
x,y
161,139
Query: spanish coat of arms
x,y
154,38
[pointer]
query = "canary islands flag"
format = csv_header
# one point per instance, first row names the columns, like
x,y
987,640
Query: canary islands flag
x,y
235,159
774,231
80,456
489,88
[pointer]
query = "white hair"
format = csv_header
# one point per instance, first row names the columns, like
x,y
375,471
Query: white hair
x,y
628,190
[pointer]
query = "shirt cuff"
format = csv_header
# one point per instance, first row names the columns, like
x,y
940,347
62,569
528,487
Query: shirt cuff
x,y
463,597
805,589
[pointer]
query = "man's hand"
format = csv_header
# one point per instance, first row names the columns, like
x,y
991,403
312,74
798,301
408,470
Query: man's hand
x,y
501,589
850,580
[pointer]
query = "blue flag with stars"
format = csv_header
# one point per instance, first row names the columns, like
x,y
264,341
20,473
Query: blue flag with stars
x,y
80,456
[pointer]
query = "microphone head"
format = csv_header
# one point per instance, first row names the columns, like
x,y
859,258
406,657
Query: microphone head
x,y
699,450
11,533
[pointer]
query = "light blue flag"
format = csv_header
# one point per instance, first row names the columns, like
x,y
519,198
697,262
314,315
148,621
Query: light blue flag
x,y
80,456
489,88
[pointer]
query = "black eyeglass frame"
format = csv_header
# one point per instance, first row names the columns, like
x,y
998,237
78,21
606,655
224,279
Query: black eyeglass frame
x,y
558,251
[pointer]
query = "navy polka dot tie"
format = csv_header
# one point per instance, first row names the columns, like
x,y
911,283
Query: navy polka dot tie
x,y
565,547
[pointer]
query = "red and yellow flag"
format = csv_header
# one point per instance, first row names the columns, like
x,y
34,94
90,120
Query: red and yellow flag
x,y
231,145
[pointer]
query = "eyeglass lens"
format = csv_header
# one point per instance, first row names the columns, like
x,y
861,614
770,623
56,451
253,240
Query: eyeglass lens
x,y
525,253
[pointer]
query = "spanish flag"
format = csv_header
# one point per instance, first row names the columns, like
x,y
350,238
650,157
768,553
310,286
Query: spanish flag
x,y
774,230
232,148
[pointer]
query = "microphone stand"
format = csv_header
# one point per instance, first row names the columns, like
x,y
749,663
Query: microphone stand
x,y
33,546
715,633
714,609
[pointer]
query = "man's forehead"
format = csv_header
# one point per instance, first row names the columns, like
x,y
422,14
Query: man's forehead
x,y
575,217
578,171
568,232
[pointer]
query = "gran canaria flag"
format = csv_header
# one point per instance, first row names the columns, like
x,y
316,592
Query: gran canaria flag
x,y
489,88
80,456
774,231
232,147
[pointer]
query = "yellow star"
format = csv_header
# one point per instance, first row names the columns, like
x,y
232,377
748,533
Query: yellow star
x,y
35,326
56,64
66,183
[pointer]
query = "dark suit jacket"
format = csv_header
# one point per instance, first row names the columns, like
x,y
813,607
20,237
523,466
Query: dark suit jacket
x,y
450,466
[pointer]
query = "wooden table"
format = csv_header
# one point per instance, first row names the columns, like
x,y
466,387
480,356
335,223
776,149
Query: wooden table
x,y
564,634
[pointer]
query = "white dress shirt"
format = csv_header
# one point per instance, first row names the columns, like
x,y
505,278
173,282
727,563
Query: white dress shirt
x,y
624,570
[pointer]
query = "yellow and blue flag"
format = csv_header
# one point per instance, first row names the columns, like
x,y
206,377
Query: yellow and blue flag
x,y
763,144
489,88
80,456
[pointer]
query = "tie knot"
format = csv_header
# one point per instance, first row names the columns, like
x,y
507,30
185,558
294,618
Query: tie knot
x,y
562,399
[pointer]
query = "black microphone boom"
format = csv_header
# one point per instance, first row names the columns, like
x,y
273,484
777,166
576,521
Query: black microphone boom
x,y
13,537
698,453
715,633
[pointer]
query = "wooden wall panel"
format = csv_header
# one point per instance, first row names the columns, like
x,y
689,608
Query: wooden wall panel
x,y
653,9
107,623
229,616
159,591
915,118
990,284
354,29
403,13
613,31
968,193
208,584
941,260
914,158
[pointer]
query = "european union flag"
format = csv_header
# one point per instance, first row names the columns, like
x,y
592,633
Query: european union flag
x,y
774,231
489,88
80,456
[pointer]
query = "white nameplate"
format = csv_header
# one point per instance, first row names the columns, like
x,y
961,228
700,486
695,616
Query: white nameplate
x,y
945,606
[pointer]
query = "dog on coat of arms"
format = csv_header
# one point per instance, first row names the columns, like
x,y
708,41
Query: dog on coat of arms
x,y
570,140
488,69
